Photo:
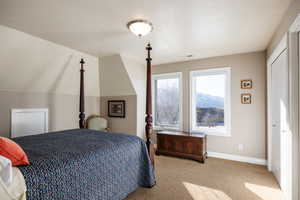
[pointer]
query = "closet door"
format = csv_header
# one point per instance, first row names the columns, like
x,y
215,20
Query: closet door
x,y
279,113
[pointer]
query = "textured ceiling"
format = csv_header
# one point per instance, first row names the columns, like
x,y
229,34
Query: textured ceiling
x,y
181,27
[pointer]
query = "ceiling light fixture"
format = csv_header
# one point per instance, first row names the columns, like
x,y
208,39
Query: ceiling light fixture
x,y
140,27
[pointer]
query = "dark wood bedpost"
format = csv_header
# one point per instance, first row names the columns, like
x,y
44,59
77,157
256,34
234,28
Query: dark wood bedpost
x,y
81,98
148,120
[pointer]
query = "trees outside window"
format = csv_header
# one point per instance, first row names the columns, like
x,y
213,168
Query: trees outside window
x,y
167,100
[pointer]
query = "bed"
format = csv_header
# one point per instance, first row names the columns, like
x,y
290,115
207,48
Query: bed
x,y
86,164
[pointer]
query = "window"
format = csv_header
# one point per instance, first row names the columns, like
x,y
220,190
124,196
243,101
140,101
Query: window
x,y
210,101
167,101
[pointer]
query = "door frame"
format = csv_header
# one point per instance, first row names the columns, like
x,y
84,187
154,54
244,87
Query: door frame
x,y
294,57
290,42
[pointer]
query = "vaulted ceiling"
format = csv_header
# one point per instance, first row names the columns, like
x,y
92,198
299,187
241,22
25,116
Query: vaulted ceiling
x,y
203,28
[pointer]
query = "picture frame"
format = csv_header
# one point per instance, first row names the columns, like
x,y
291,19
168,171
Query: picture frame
x,y
246,98
246,84
116,108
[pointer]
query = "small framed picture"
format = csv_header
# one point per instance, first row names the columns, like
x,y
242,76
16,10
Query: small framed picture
x,y
116,108
246,84
246,98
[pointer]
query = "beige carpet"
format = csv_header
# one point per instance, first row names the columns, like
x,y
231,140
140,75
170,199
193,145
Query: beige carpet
x,y
217,179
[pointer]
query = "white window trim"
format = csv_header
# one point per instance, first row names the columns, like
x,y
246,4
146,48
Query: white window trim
x,y
167,76
227,115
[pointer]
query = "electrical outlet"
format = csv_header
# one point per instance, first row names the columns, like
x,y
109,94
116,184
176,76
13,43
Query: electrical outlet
x,y
241,147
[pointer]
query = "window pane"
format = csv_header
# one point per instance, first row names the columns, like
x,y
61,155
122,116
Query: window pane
x,y
167,102
209,101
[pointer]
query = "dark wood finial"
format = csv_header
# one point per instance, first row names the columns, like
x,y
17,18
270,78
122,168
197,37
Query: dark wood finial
x,y
82,61
149,49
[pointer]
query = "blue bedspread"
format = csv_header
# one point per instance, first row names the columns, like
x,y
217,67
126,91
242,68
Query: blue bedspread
x,y
83,164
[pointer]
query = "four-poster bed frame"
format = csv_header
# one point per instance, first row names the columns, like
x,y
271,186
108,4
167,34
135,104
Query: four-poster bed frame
x,y
148,118
83,159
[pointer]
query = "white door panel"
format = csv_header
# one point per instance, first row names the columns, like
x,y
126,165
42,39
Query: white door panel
x,y
279,113
26,122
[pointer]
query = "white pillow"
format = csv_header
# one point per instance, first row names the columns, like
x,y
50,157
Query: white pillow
x,y
6,170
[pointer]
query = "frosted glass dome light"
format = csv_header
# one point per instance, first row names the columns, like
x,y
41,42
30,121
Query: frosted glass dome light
x,y
140,27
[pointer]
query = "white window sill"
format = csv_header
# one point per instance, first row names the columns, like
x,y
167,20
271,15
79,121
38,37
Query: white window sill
x,y
213,133
158,128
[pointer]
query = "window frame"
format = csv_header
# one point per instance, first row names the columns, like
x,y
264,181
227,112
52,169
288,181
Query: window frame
x,y
227,101
160,77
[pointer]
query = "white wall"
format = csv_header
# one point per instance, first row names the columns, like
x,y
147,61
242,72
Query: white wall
x,y
121,125
137,73
123,78
31,64
289,17
248,122
35,73
116,84
114,78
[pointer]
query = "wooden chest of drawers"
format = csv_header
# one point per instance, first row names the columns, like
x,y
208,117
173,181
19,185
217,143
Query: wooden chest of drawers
x,y
182,144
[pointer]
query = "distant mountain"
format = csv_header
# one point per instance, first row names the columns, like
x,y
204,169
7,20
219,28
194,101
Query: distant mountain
x,y
208,101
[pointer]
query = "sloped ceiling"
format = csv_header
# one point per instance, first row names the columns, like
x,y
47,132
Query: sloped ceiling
x,y
30,64
203,28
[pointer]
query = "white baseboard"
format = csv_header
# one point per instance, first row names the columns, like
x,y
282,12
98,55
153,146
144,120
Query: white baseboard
x,y
246,159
